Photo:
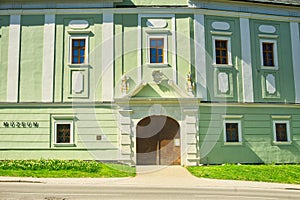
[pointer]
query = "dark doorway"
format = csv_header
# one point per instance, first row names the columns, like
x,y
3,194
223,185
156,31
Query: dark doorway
x,y
158,141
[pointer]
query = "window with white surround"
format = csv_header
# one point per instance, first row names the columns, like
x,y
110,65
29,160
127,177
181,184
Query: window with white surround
x,y
63,130
281,129
157,49
232,131
268,54
78,50
222,51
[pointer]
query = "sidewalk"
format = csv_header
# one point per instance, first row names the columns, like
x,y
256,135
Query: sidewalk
x,y
156,176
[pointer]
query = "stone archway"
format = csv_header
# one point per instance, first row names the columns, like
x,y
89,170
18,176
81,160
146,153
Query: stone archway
x,y
158,141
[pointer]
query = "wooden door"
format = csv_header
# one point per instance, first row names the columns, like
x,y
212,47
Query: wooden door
x,y
158,143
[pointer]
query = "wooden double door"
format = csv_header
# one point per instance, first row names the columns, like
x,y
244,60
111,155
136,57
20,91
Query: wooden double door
x,y
158,141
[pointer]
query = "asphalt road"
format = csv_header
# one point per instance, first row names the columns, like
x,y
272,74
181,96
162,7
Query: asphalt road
x,y
42,191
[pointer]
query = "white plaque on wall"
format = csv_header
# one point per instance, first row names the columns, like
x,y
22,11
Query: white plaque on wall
x,y
77,82
220,25
267,29
79,24
223,82
156,23
270,84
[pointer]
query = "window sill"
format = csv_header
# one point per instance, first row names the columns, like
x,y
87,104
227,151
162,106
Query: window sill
x,y
223,65
275,68
233,143
78,65
64,145
282,143
157,65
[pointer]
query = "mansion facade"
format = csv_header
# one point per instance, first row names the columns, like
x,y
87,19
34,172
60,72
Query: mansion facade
x,y
181,82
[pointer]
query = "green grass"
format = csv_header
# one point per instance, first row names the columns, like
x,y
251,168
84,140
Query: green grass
x,y
262,173
63,169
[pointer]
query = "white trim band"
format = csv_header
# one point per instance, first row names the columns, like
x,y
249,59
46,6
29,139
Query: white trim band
x,y
48,63
13,58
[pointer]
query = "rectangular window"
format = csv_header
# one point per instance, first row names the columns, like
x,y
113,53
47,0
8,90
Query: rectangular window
x,y
63,132
232,132
221,49
281,131
156,50
268,54
78,51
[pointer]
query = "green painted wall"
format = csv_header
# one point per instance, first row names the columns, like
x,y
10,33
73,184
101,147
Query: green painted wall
x,y
4,32
37,143
126,49
31,58
234,77
257,135
284,75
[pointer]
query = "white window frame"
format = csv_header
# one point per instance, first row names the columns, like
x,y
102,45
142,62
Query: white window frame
x,y
261,41
71,123
86,38
287,122
157,36
239,131
229,53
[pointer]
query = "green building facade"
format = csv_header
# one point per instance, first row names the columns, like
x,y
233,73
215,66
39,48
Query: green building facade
x,y
146,82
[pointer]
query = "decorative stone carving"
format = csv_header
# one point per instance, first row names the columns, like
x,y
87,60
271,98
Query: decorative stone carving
x,y
79,24
157,76
156,23
267,29
124,84
189,83
77,82
220,26
270,84
223,82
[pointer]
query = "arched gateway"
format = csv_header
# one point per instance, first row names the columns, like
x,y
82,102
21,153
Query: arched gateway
x,y
158,141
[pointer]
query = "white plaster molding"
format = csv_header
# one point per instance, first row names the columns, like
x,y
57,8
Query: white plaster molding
x,y
79,24
248,95
220,26
174,49
77,82
270,84
223,82
296,58
200,56
48,63
108,56
267,29
139,38
13,58
156,23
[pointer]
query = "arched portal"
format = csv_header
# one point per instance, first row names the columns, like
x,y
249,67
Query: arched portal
x,y
158,141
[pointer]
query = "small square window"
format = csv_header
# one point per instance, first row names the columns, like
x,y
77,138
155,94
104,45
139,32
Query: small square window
x,y
232,131
281,131
63,132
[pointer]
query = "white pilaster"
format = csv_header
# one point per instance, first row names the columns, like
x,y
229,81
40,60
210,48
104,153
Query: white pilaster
x,y
246,60
174,49
200,56
48,63
13,58
296,58
139,38
108,56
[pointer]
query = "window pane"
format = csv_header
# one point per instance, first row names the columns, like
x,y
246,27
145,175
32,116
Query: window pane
x,y
160,42
153,59
281,132
160,59
160,52
82,52
82,43
81,60
75,60
75,43
232,132
152,43
63,133
75,52
153,51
